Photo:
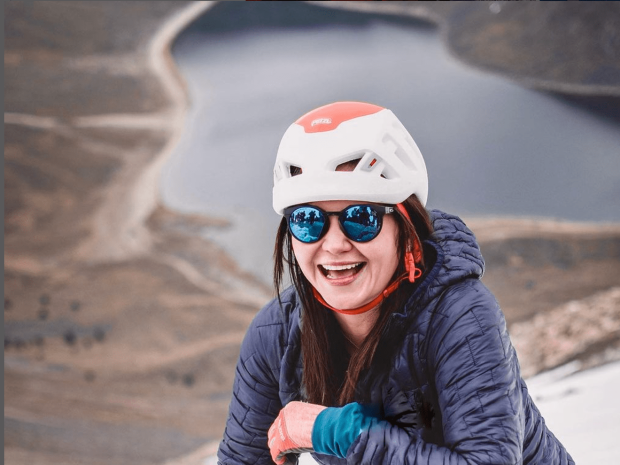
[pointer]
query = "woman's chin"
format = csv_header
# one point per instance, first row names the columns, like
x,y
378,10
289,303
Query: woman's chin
x,y
343,302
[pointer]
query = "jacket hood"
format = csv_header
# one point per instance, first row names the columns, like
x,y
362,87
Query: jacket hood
x,y
458,257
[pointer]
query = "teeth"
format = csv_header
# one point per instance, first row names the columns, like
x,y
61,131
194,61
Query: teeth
x,y
340,267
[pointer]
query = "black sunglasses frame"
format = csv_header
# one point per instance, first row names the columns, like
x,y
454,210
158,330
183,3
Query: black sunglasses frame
x,y
380,210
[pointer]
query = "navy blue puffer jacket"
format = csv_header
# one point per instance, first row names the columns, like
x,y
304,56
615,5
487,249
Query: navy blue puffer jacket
x,y
451,388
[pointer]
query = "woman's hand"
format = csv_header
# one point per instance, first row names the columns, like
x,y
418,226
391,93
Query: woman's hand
x,y
292,430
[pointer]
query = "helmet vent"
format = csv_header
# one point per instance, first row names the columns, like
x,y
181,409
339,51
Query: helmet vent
x,y
348,165
388,172
400,151
294,170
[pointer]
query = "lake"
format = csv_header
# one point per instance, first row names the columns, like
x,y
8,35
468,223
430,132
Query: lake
x,y
491,146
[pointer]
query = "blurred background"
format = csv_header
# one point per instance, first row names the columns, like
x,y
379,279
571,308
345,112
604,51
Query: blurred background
x,y
139,147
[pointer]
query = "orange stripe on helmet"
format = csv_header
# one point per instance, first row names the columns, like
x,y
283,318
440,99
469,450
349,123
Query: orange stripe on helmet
x,y
329,117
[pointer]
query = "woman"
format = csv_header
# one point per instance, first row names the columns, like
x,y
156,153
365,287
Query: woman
x,y
387,349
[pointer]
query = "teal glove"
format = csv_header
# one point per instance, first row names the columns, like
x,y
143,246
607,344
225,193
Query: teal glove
x,y
336,428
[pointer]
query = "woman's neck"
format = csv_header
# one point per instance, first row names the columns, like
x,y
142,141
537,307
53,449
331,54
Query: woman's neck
x,y
357,327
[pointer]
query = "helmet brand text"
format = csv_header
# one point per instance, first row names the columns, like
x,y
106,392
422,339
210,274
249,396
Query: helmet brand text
x,y
321,121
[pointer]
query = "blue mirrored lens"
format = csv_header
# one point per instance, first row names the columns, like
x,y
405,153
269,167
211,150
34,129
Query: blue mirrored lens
x,y
361,223
306,224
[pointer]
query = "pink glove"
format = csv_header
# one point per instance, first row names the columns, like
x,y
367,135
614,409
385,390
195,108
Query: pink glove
x,y
292,430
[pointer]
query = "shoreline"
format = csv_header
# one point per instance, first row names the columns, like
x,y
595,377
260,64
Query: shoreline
x,y
144,194
489,19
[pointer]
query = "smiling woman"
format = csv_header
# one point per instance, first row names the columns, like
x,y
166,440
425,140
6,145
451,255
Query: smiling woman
x,y
387,348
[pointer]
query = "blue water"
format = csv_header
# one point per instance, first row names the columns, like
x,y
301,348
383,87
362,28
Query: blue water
x,y
492,147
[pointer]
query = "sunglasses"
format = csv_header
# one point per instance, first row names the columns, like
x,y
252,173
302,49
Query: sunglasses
x,y
360,223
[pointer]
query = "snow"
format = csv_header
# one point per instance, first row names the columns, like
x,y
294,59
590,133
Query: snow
x,y
582,410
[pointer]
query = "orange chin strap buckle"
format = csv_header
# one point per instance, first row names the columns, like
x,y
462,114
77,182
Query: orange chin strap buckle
x,y
412,271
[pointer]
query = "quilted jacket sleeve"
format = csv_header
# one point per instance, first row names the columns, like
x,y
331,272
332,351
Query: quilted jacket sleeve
x,y
475,373
255,401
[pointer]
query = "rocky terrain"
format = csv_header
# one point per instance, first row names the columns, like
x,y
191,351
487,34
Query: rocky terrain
x,y
122,325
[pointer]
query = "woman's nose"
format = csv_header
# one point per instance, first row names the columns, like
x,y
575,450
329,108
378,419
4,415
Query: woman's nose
x,y
335,241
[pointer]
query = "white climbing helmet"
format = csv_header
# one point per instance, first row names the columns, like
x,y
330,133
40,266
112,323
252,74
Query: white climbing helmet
x,y
389,170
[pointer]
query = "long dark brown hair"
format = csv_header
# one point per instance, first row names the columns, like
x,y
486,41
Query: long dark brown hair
x,y
330,377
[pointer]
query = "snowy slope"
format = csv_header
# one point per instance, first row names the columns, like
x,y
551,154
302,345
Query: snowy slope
x,y
582,410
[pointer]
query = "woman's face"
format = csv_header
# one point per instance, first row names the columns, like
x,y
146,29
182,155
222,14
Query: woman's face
x,y
348,274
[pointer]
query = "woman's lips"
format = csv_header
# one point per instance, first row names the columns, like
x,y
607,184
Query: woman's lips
x,y
341,274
